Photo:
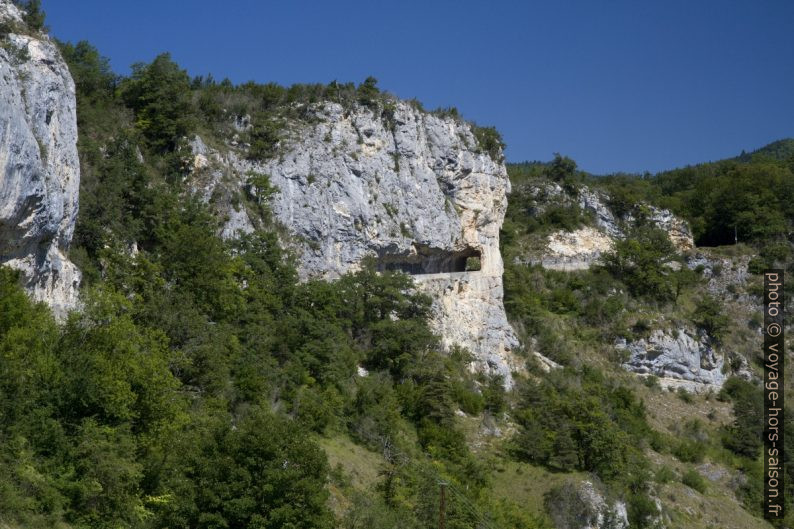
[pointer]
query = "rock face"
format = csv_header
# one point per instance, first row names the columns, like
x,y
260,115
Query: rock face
x,y
38,163
680,359
581,248
582,505
412,191
575,250
595,202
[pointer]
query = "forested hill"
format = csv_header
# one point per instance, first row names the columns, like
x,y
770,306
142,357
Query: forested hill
x,y
748,198
781,150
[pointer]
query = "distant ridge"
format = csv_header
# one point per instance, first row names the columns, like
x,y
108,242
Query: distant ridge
x,y
777,150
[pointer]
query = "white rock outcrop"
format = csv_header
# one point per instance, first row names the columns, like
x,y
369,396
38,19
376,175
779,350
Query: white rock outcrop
x,y
583,505
681,358
411,190
39,165
581,248
575,250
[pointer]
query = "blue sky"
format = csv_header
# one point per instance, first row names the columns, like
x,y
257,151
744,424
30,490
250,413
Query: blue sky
x,y
616,85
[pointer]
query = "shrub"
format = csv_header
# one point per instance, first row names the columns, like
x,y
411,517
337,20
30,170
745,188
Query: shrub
x,y
489,141
664,474
694,480
689,451
684,395
473,264
33,15
708,316
639,261
652,381
642,510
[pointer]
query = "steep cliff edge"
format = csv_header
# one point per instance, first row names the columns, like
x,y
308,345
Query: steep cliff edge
x,y
411,190
38,162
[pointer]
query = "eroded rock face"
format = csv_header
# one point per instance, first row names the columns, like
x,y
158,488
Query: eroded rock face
x,y
39,165
680,358
580,249
412,191
576,250
583,505
677,229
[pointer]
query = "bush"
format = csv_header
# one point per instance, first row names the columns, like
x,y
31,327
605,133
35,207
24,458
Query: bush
x,y
489,141
642,511
263,138
33,15
684,395
473,264
639,261
708,316
689,451
652,381
694,480
664,475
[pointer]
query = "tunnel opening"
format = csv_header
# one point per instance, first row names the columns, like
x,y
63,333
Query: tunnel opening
x,y
428,260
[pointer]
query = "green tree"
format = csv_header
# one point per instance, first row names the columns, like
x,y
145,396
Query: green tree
x,y
640,261
708,315
368,92
683,279
159,94
561,169
264,135
33,15
263,471
744,436
92,74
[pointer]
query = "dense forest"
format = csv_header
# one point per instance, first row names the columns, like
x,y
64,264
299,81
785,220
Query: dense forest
x,y
202,382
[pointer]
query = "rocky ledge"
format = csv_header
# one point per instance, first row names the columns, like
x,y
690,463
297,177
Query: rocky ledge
x,y
681,358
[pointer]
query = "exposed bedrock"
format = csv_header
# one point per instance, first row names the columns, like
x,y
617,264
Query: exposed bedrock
x,y
413,191
38,163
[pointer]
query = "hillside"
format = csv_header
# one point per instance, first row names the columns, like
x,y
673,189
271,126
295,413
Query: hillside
x,y
597,274
781,150
322,306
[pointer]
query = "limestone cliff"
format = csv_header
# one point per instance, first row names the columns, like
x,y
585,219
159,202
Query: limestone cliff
x,y
39,165
683,359
412,190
